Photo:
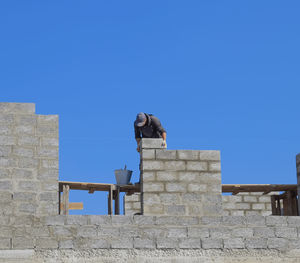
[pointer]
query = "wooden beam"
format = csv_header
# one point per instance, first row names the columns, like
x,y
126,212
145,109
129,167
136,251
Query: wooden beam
x,y
232,188
92,190
110,201
66,191
74,206
117,201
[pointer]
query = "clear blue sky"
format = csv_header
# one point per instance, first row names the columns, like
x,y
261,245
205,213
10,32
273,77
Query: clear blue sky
x,y
219,74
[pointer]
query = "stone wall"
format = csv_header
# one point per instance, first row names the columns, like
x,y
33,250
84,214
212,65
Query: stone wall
x,y
28,161
179,182
132,204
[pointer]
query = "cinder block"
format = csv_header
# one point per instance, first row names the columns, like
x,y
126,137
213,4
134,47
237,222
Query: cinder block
x,y
151,199
263,232
40,231
6,118
165,154
210,155
176,187
212,220
49,164
5,129
250,199
210,243
278,243
24,196
28,208
256,243
169,198
8,162
62,232
46,243
258,206
22,130
118,242
20,108
170,176
148,154
157,209
28,163
253,213
194,187
276,220
175,209
209,178
242,232
149,176
6,231
233,243
5,185
48,174
197,166
27,186
66,244
243,206
255,221
166,220
48,196
144,243
7,140
54,220
238,213
167,243
234,220
22,174
91,243
175,165
5,197
188,176
5,151
192,197
148,143
264,199
130,231
28,141
121,220
152,165
189,243
108,231
154,232
49,186
198,232
153,187
99,220
220,232
293,221
286,232
50,142
215,166
22,243
45,130
28,119
144,220
5,174
188,155
187,220
87,231
47,119
77,220
23,152
47,152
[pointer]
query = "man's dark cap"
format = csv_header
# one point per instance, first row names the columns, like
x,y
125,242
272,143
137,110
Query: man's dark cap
x,y
140,119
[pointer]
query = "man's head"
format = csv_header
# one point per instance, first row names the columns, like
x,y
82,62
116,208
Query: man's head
x,y
141,119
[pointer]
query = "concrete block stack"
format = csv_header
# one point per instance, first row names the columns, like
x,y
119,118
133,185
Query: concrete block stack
x,y
246,204
179,182
132,204
28,161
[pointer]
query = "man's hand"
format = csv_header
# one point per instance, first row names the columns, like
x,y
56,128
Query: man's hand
x,y
164,144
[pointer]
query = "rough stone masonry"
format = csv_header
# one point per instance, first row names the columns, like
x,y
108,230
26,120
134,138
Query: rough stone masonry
x,y
187,230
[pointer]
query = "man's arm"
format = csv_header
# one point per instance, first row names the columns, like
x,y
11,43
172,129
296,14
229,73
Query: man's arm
x,y
137,137
156,123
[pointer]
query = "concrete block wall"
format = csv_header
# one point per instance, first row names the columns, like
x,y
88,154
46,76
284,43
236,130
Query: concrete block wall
x,y
179,182
246,204
298,176
82,232
28,161
132,204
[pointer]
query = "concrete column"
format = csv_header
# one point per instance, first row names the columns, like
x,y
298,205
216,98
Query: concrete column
x,y
180,182
28,161
298,179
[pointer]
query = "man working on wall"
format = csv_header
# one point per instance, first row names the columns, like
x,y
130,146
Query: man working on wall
x,y
148,126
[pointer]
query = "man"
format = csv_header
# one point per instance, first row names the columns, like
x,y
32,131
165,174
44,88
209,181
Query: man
x,y
148,126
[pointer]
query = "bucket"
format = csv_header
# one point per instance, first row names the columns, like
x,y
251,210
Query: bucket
x,y
123,176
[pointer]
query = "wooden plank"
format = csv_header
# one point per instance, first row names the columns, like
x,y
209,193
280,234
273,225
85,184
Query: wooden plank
x,y
74,206
86,186
110,200
66,191
117,201
233,188
275,203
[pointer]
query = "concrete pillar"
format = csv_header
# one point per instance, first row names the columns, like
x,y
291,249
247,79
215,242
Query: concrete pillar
x,y
28,161
180,182
298,179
